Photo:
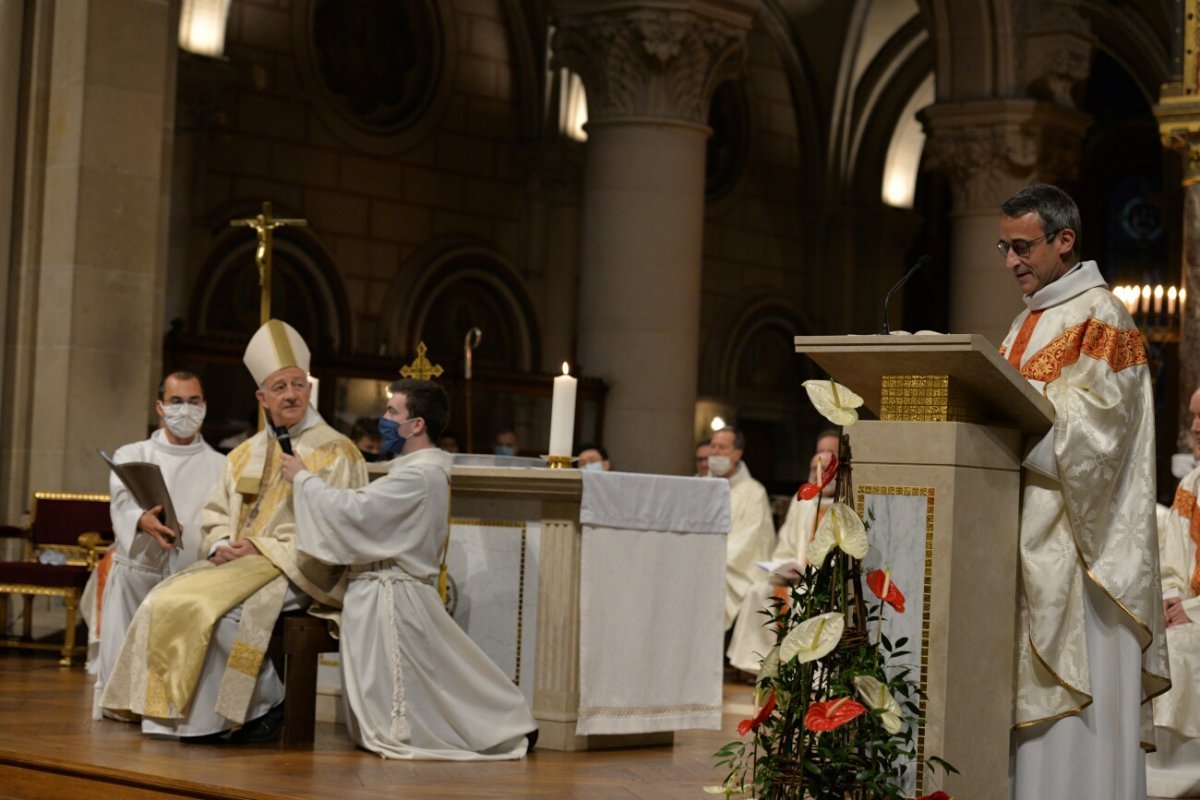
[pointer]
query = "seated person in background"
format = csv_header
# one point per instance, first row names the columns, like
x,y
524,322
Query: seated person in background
x,y
506,443
449,443
365,435
753,635
146,550
416,686
752,535
1174,771
592,456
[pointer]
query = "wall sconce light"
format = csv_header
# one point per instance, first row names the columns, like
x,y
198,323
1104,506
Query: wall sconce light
x,y
202,27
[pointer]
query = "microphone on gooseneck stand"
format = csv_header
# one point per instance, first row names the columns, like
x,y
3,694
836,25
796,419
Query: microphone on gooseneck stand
x,y
921,262
285,439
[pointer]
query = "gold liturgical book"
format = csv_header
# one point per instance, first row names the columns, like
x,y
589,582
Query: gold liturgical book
x,y
145,482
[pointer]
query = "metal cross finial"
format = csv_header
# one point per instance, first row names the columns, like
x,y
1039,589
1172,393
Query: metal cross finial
x,y
263,224
421,368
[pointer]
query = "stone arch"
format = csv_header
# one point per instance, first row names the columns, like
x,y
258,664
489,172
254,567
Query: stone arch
x,y
452,285
749,364
882,95
306,288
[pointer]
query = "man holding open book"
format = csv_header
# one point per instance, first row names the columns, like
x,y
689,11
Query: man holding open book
x,y
146,549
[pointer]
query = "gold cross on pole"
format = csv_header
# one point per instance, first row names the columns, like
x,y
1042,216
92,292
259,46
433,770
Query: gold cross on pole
x,y
421,368
263,224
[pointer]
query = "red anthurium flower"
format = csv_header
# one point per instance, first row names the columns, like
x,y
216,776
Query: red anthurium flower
x,y
810,490
832,714
747,725
880,582
938,795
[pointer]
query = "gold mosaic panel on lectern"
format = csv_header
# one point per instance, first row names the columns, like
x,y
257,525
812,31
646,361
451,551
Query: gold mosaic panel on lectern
x,y
925,398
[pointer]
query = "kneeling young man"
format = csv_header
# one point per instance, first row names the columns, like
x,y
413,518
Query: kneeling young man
x,y
415,685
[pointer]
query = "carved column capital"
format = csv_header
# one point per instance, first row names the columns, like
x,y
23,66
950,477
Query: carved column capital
x,y
657,60
1179,128
990,149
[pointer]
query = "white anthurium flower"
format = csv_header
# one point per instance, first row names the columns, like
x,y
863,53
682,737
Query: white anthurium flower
x,y
770,665
877,696
835,402
814,638
842,527
725,790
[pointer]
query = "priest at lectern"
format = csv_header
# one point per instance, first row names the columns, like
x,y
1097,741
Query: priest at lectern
x,y
1091,650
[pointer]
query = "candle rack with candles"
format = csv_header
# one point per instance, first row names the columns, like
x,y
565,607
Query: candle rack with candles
x,y
1157,310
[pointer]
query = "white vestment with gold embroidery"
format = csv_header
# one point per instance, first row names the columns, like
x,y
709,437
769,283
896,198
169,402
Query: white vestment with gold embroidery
x,y
415,685
1090,631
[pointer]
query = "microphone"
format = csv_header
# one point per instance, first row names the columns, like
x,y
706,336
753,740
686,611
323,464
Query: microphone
x,y
285,439
921,262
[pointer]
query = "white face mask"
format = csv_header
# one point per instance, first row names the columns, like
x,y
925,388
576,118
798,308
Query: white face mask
x,y
719,466
596,466
183,419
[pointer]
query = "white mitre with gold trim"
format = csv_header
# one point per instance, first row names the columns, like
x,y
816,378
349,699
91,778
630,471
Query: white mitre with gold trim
x,y
275,346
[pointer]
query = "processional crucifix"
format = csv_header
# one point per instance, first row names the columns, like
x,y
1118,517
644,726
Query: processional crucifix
x,y
263,225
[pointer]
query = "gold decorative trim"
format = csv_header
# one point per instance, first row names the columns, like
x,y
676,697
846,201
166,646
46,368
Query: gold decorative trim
x,y
100,498
246,659
524,526
34,589
925,398
926,596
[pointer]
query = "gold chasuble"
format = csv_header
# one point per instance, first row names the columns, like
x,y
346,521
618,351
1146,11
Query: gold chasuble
x,y
1088,506
160,666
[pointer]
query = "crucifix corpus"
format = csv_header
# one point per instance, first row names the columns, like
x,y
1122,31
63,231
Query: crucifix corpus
x,y
263,225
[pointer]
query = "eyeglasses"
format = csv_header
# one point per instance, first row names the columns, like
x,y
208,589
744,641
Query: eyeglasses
x,y
1021,246
298,385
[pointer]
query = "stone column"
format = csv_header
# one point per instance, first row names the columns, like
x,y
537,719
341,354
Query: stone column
x,y
92,257
649,70
990,149
1179,126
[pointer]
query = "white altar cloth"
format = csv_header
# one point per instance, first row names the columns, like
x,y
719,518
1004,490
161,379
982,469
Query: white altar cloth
x,y
652,599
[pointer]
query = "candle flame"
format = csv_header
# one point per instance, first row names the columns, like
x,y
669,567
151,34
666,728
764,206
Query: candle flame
x,y
1158,291
566,369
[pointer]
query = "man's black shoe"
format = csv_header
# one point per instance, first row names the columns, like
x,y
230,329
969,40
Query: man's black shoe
x,y
260,729
531,739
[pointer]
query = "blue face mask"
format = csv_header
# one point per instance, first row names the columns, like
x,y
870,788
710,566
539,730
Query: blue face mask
x,y
390,440
504,450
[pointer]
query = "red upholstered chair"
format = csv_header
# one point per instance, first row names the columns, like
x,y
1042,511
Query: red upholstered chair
x,y
78,527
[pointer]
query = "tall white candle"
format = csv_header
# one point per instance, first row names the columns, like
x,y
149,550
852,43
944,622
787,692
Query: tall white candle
x,y
562,414
1171,295
1158,296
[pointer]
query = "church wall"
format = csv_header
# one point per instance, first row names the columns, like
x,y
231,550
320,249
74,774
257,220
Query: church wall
x,y
456,177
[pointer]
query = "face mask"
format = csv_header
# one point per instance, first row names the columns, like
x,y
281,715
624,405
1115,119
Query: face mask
x,y
183,419
390,440
504,450
719,466
594,466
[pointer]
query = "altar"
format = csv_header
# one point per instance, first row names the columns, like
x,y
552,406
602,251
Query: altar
x,y
600,594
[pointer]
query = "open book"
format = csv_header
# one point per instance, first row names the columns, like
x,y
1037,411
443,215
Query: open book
x,y
145,482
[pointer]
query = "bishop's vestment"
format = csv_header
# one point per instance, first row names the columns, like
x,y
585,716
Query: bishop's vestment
x,y
414,685
1091,652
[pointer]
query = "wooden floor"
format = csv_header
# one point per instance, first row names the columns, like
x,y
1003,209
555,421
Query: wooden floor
x,y
51,748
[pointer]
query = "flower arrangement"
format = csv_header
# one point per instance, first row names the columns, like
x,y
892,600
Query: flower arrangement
x,y
836,707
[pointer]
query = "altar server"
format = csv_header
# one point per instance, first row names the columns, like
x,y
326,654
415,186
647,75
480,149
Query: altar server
x,y
146,551
415,686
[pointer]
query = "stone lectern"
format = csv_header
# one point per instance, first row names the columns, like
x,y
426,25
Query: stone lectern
x,y
938,479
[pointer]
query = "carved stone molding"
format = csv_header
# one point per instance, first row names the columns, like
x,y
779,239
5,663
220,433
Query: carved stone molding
x,y
990,149
1179,128
1057,54
660,61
